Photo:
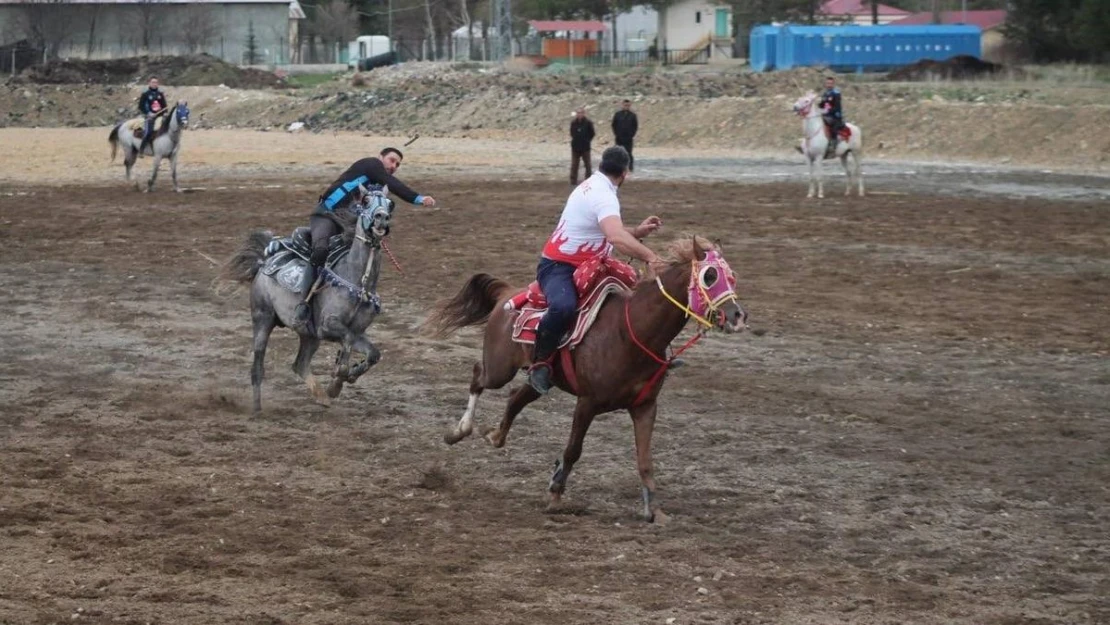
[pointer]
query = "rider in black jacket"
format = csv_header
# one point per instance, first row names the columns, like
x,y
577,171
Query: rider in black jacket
x,y
152,103
834,115
373,173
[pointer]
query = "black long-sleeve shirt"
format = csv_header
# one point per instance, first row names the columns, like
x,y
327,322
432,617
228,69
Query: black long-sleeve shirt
x,y
147,100
370,173
581,134
831,102
625,124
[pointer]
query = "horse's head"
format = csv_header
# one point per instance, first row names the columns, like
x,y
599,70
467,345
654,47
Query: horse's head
x,y
181,112
804,105
374,214
712,291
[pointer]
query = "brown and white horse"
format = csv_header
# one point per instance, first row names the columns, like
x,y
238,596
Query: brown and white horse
x,y
622,361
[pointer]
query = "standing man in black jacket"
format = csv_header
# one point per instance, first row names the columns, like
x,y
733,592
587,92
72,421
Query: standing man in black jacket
x,y
625,126
581,135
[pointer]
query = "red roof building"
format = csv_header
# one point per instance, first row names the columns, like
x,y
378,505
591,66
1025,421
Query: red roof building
x,y
985,20
859,12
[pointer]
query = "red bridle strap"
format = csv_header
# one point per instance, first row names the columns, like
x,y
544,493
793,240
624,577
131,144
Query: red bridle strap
x,y
664,364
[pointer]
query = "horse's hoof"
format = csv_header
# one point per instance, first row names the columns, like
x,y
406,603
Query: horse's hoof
x,y
492,435
335,388
455,436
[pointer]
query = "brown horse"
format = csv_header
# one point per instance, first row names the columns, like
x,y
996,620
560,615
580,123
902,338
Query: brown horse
x,y
620,364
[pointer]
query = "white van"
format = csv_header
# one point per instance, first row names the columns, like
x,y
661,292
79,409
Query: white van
x,y
366,46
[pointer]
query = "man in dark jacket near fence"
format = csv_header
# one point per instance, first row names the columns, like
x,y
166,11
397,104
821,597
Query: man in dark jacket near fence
x,y
581,135
625,126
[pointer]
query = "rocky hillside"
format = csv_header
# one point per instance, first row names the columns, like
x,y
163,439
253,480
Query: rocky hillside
x,y
997,121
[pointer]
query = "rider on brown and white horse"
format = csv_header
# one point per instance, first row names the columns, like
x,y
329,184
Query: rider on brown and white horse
x,y
590,225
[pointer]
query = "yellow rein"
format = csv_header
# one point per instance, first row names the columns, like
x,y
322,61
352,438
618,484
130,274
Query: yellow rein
x,y
686,308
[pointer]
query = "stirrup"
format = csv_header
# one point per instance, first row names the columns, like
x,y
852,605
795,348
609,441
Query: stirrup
x,y
539,377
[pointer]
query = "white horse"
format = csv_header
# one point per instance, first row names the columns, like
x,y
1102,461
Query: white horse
x,y
166,142
815,145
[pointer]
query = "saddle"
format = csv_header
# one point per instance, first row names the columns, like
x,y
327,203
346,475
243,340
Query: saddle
x,y
844,134
138,126
594,280
287,258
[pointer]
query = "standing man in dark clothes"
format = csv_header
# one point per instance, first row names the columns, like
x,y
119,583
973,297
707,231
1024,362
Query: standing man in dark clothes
x,y
625,126
372,173
581,134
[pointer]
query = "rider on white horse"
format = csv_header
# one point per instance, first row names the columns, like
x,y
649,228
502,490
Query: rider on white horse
x,y
834,115
152,104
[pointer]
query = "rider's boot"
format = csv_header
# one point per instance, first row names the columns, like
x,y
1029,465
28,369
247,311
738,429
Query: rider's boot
x,y
302,314
540,374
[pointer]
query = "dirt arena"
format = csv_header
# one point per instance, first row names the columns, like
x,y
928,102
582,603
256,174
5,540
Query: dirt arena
x,y
915,431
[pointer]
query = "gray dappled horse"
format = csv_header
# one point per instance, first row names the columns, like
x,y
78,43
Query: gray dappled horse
x,y
344,303
166,142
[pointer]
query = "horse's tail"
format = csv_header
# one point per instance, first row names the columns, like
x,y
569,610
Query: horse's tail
x,y
243,266
471,306
113,138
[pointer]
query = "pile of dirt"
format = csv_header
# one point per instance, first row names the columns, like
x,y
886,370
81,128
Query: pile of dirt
x,y
414,80
956,68
195,70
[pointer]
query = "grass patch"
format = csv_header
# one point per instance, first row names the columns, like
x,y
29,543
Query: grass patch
x,y
307,81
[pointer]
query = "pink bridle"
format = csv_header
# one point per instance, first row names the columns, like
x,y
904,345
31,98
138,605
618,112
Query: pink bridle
x,y
709,290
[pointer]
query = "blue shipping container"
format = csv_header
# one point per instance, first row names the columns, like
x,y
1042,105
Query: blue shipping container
x,y
761,48
857,48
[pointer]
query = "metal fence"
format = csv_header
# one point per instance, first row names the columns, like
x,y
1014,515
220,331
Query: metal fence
x,y
691,56
17,56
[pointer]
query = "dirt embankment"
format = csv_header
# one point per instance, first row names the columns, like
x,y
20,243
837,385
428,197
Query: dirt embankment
x,y
200,69
1019,122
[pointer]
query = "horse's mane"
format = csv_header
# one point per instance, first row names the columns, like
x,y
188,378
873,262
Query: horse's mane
x,y
345,218
681,250
164,128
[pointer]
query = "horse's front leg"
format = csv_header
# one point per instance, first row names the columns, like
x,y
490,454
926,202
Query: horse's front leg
x,y
362,345
848,173
584,413
154,173
643,423
173,169
819,166
302,366
812,177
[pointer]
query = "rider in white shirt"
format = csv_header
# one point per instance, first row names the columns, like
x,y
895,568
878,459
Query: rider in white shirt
x,y
589,226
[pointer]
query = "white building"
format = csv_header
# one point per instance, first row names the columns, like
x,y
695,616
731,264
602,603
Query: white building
x,y
102,29
692,25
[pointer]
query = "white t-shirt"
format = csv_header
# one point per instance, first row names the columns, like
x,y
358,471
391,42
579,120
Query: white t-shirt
x,y
578,236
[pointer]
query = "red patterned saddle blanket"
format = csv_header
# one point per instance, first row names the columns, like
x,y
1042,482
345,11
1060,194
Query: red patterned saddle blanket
x,y
595,280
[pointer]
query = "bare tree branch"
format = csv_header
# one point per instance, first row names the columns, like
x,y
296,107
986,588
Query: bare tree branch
x,y
199,26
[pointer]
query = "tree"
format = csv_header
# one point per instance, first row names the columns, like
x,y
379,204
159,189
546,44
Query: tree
x,y
46,24
251,47
199,25
1061,30
146,19
334,22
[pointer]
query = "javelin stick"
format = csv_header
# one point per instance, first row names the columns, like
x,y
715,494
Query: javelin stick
x,y
412,140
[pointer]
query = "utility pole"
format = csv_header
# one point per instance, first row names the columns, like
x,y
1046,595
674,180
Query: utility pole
x,y
503,19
